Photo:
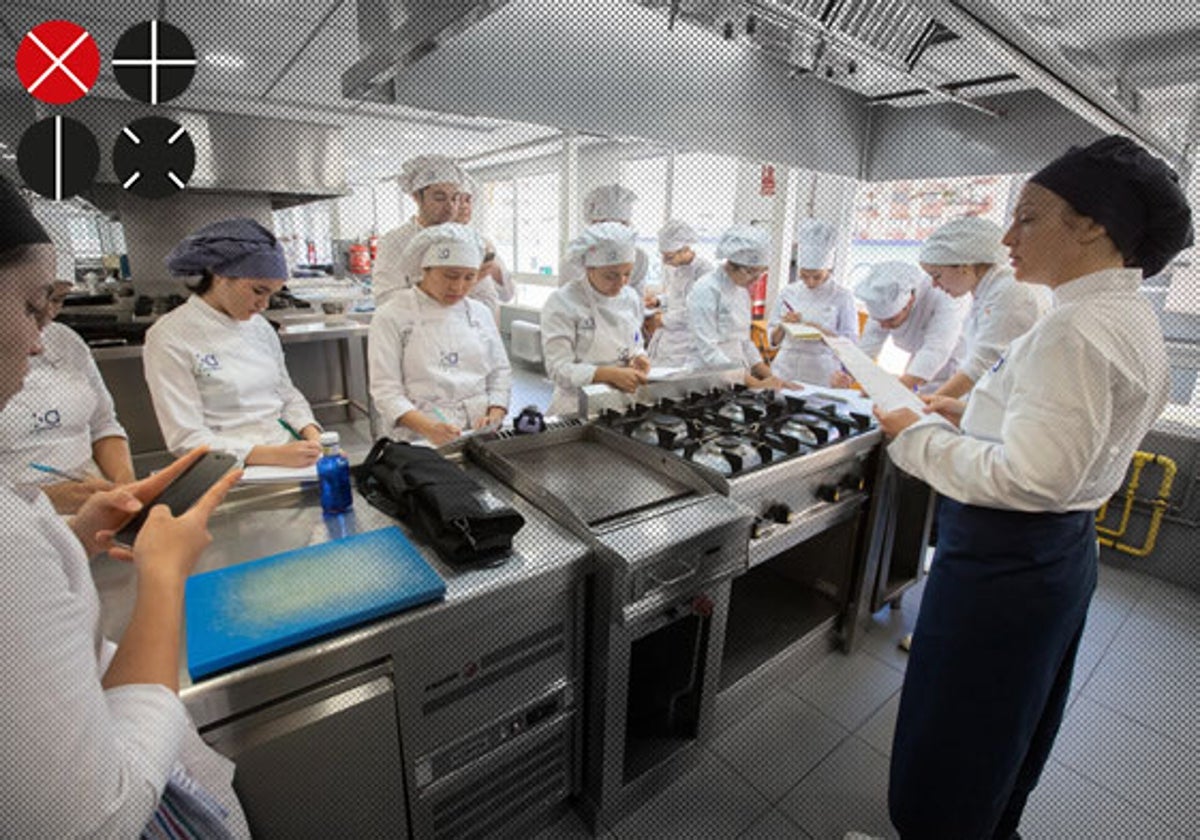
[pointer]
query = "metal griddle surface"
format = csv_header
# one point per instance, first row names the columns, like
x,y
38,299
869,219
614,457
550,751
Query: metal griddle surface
x,y
596,482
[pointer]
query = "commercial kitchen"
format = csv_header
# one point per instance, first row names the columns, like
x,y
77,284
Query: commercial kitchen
x,y
697,631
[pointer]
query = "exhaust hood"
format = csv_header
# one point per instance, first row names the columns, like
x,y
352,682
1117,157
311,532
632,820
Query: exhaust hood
x,y
287,162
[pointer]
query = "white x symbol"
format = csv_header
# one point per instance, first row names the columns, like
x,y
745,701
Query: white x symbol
x,y
58,61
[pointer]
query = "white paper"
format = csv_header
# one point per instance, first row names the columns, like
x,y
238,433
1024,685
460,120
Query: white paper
x,y
661,372
885,390
278,475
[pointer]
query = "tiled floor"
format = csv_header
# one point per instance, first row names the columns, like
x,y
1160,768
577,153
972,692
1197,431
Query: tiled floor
x,y
812,762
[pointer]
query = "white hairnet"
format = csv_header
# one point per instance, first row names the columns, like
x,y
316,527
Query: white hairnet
x,y
605,243
449,244
886,288
675,236
745,245
965,241
611,202
816,242
420,172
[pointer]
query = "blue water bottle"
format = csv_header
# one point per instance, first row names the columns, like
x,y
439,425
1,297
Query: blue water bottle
x,y
334,472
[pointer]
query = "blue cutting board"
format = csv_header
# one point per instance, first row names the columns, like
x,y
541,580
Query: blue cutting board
x,y
253,609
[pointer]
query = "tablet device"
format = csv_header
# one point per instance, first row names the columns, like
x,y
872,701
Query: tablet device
x,y
181,493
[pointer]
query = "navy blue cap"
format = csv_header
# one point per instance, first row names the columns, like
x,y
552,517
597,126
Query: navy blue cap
x,y
232,248
1134,195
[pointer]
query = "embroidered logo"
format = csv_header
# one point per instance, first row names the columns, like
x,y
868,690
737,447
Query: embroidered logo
x,y
588,323
443,253
47,421
448,360
207,364
625,355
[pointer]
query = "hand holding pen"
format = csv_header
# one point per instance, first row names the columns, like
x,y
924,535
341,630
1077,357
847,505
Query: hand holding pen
x,y
75,487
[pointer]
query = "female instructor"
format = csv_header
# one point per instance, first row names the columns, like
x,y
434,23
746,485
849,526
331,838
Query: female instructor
x,y
1044,441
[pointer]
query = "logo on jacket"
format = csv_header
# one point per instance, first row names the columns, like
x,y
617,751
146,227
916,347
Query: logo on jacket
x,y
448,360
207,364
46,421
588,323
625,355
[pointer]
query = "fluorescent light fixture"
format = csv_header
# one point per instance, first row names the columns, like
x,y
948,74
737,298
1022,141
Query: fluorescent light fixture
x,y
225,61
8,156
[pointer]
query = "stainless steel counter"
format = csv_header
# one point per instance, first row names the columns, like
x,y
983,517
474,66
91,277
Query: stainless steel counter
x,y
257,522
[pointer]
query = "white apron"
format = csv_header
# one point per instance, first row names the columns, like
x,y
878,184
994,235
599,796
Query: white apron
x,y
603,338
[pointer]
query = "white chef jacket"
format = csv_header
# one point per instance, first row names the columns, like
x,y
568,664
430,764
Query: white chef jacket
x,y
671,345
220,382
583,330
79,760
435,359
1052,427
932,333
719,312
569,272
63,407
492,292
829,306
1001,309
387,274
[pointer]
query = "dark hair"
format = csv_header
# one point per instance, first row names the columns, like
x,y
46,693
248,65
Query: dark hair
x,y
13,256
201,286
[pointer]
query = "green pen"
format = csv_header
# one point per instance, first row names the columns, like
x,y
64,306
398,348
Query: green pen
x,y
439,414
289,428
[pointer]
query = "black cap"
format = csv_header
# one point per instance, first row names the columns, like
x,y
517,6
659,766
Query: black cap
x,y
1134,195
19,226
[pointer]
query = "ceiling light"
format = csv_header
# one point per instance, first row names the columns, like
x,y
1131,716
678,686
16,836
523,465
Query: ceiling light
x,y
225,61
8,156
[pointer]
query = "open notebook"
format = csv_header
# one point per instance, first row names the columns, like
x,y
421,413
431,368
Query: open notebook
x,y
278,475
804,332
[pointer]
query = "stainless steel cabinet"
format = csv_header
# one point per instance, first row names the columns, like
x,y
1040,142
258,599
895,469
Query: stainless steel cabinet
x,y
322,763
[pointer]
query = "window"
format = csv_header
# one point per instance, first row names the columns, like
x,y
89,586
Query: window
x,y
703,196
535,205
497,210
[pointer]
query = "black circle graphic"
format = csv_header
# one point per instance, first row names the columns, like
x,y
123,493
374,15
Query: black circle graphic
x,y
58,157
154,157
154,61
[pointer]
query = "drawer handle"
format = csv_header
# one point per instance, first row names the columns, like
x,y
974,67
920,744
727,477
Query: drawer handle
x,y
690,570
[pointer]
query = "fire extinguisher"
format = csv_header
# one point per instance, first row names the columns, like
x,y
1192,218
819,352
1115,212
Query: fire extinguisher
x,y
758,297
360,259
373,246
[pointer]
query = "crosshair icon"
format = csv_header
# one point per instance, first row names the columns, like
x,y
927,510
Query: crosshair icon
x,y
154,61
154,157
58,157
58,62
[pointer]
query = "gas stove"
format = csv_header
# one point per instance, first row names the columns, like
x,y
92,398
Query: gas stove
x,y
798,461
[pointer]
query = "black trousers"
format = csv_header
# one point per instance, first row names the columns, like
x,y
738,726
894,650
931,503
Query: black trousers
x,y
990,669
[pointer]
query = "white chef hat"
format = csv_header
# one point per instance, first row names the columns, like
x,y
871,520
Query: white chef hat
x,y
604,243
469,184
610,202
675,236
816,241
886,288
420,172
964,241
448,244
745,245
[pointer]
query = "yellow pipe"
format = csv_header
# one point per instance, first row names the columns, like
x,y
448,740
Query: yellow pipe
x,y
1140,459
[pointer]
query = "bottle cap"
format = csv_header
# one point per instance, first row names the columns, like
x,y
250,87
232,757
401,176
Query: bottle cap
x,y
330,439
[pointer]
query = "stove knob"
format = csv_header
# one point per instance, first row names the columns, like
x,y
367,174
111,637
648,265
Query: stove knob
x,y
780,513
829,493
762,528
850,481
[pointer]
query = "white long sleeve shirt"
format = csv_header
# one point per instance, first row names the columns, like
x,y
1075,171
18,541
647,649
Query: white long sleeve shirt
x,y
387,274
492,292
79,761
932,333
63,408
446,360
583,330
221,382
1053,426
719,313
1001,309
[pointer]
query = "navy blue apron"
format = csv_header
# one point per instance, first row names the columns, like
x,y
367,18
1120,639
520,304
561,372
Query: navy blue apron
x,y
990,669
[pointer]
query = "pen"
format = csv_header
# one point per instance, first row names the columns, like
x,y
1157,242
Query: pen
x,y
290,430
789,306
69,476
438,413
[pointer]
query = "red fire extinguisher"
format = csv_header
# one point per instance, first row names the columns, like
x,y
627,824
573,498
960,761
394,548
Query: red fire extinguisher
x,y
758,297
373,246
360,259
311,252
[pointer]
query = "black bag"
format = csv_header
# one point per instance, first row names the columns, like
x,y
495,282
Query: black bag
x,y
461,519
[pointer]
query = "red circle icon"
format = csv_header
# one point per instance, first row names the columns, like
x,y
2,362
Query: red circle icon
x,y
58,62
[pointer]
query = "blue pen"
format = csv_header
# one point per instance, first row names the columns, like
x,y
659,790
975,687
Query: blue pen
x,y
438,412
69,476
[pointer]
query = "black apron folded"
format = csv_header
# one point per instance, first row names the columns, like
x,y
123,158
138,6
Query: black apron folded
x,y
451,511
